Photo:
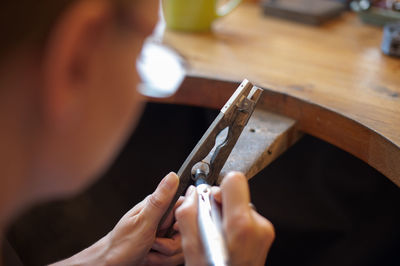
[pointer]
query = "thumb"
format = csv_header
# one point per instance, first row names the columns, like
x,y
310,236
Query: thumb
x,y
157,203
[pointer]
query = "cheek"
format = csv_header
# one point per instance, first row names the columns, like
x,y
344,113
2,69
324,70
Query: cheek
x,y
123,81
128,101
114,110
129,80
127,104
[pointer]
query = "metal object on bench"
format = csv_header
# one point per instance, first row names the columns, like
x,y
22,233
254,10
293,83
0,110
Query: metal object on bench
x,y
391,39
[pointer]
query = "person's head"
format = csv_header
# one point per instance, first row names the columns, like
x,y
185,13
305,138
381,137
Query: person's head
x,y
68,94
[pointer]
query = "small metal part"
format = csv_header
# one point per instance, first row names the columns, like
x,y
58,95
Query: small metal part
x,y
364,4
199,177
200,170
396,6
391,39
360,5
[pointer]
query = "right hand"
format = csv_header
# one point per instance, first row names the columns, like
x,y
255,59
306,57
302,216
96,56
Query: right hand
x,y
249,235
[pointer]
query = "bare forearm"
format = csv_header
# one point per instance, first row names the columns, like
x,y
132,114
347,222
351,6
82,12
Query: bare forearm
x,y
93,255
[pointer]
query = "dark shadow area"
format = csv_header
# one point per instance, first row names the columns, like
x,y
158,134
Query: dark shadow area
x,y
161,142
328,207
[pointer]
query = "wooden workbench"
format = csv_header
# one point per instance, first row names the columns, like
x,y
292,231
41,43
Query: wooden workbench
x,y
333,80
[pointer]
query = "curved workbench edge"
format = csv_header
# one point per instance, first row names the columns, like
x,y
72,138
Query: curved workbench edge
x,y
328,125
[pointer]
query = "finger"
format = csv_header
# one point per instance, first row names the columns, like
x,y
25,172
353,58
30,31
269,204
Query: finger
x,y
170,218
179,202
168,246
186,215
157,203
266,237
156,258
216,193
189,190
267,226
176,226
235,195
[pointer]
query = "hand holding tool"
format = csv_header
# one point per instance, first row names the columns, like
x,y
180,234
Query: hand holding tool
x,y
202,167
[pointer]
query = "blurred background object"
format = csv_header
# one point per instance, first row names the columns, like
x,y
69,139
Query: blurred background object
x,y
314,12
161,69
377,12
391,39
195,15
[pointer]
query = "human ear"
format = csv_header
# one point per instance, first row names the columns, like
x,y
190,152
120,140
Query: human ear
x,y
68,58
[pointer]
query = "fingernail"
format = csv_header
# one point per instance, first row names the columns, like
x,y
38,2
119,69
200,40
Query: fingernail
x,y
234,174
170,181
189,191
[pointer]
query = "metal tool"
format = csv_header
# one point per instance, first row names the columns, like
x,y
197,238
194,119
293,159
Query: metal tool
x,y
210,224
391,39
202,167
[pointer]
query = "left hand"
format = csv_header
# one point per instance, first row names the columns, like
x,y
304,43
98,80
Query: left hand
x,y
134,241
135,234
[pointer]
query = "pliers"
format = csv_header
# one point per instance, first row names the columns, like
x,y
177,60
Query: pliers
x,y
203,166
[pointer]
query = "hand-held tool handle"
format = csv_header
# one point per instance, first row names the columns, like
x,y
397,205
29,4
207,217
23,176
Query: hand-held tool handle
x,y
234,116
210,226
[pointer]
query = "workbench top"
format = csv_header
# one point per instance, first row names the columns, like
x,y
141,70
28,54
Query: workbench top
x,y
332,79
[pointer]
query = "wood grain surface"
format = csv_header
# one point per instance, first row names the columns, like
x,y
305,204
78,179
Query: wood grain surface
x,y
265,137
332,79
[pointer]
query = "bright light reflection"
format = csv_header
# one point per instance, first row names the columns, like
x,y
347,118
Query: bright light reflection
x,y
161,69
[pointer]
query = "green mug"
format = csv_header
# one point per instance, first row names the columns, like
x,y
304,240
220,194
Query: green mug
x,y
194,15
